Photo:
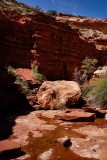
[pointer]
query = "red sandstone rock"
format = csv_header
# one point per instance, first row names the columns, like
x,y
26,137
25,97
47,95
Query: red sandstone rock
x,y
30,125
56,47
100,73
8,145
64,141
103,156
58,94
76,115
99,112
9,149
95,143
27,75
85,22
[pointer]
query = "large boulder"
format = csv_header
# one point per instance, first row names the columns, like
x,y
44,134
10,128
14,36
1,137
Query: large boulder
x,y
58,94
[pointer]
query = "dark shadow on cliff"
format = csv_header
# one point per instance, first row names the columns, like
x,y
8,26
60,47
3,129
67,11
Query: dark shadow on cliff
x,y
13,103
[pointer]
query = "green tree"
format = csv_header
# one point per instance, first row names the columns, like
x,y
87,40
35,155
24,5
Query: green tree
x,y
88,67
86,71
52,12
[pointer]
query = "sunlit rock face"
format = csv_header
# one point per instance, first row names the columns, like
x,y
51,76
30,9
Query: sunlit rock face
x,y
58,94
56,47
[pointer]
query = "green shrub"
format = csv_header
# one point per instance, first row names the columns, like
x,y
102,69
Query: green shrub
x,y
52,12
99,67
19,7
88,67
78,76
99,92
105,32
38,8
86,71
68,22
96,94
38,76
95,35
86,90
11,70
2,4
18,10
24,85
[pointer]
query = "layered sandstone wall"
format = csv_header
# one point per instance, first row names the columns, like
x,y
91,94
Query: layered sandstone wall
x,y
15,44
85,22
56,47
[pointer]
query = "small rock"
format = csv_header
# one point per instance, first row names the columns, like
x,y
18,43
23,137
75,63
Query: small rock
x,y
64,141
100,73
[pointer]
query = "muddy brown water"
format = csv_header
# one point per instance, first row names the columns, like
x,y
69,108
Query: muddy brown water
x,y
37,146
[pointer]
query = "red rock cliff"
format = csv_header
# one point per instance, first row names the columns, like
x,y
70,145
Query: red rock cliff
x,y
84,22
55,46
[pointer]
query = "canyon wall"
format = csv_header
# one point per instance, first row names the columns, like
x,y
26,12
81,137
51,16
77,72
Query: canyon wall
x,y
54,46
85,22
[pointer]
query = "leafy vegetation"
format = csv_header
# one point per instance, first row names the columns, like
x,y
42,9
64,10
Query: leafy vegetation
x,y
95,34
105,32
82,16
52,12
78,76
38,76
96,94
24,85
86,71
99,92
68,22
91,34
20,8
88,67
11,70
